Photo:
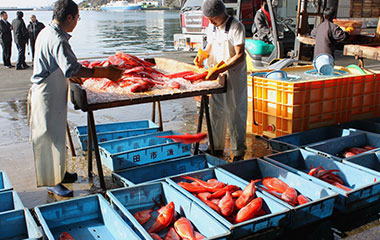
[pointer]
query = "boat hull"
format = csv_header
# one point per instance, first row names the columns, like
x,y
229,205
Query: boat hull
x,y
121,8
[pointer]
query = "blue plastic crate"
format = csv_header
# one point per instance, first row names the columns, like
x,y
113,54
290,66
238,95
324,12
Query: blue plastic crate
x,y
9,200
160,170
18,225
141,197
278,214
322,199
119,130
5,184
87,218
364,188
368,162
363,125
141,150
333,148
301,139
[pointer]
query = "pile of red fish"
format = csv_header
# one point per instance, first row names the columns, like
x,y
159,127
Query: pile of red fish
x,y
328,176
167,224
230,201
139,75
356,150
281,190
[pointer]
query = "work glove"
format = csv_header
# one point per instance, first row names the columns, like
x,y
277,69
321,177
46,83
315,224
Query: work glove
x,y
201,56
213,72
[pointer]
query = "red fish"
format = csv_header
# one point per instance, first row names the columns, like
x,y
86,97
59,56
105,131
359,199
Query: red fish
x,y
155,236
341,186
199,236
247,195
143,216
301,199
196,77
174,85
180,74
369,147
204,195
186,138
290,196
65,236
249,211
212,186
185,229
222,192
192,187
237,193
172,235
226,204
212,205
275,184
164,218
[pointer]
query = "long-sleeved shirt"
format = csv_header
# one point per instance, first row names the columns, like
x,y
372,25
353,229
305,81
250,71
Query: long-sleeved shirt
x,y
326,35
53,51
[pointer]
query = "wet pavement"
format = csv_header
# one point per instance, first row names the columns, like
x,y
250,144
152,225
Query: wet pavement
x,y
16,157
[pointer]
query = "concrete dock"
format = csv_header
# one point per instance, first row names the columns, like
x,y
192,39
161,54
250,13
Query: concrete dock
x,y
16,157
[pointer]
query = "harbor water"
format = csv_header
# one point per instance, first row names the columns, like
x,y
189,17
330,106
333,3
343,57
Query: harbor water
x,y
100,33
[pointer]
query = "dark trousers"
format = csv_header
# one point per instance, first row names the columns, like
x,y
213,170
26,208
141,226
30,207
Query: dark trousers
x,y
32,46
21,54
7,50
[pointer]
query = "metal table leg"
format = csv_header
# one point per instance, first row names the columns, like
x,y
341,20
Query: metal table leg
x,y
71,144
154,112
89,147
96,149
161,125
199,127
208,122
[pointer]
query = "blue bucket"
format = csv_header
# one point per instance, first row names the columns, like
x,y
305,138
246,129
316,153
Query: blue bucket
x,y
277,75
324,64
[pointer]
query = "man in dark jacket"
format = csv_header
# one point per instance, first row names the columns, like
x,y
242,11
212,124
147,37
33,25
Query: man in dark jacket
x,y
262,26
6,39
21,39
34,28
327,34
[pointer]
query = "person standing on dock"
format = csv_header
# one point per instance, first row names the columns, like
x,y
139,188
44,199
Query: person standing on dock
x,y
225,42
327,34
6,39
54,62
34,28
21,37
262,26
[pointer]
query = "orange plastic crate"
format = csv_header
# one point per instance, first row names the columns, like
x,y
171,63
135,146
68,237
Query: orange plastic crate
x,y
282,107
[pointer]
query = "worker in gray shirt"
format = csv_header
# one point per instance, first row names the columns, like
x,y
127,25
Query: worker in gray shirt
x,y
54,62
327,34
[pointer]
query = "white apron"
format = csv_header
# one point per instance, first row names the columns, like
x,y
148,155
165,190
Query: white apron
x,y
48,128
231,107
